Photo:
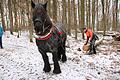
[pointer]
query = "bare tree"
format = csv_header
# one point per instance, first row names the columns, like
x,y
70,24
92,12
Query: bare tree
x,y
89,15
75,18
93,14
64,17
55,10
30,20
116,13
79,14
103,19
69,18
10,16
97,20
82,17
87,11
49,8
2,14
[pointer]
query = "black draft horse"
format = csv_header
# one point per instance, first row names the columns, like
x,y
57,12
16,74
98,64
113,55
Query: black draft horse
x,y
50,38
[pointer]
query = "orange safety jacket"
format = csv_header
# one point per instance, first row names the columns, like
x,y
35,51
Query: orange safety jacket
x,y
89,34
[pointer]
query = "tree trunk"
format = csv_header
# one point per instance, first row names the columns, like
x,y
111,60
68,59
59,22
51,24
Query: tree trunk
x,y
10,16
69,18
103,20
107,15
55,10
79,15
93,14
89,15
64,17
113,15
15,15
2,14
87,11
82,17
75,19
116,13
30,20
49,8
97,24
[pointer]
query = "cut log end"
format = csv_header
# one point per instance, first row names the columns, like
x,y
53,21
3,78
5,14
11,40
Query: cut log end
x,y
87,47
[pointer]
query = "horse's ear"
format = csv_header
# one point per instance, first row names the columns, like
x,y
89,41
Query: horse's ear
x,y
45,5
33,4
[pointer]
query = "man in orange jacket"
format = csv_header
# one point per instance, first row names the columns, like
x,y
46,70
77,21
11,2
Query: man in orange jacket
x,y
93,37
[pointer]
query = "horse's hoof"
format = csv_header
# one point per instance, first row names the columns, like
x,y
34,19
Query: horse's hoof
x,y
56,71
47,69
64,59
59,59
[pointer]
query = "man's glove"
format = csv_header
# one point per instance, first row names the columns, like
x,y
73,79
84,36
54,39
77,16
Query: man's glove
x,y
85,44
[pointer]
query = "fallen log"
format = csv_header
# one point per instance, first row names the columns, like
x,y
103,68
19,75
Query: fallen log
x,y
87,47
98,42
116,37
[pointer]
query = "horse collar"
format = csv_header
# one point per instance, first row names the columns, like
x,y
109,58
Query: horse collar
x,y
44,37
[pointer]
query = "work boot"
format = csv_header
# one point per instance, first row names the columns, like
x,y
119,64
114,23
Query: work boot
x,y
94,52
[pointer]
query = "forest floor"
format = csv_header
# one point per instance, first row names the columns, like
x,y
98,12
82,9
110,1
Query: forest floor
x,y
20,60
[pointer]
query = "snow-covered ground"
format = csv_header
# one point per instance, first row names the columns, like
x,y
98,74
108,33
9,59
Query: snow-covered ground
x,y
20,60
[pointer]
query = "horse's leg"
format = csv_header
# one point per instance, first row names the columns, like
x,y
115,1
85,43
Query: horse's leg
x,y
46,62
59,53
63,50
56,64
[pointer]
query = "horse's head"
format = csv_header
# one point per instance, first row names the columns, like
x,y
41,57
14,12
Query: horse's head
x,y
41,20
